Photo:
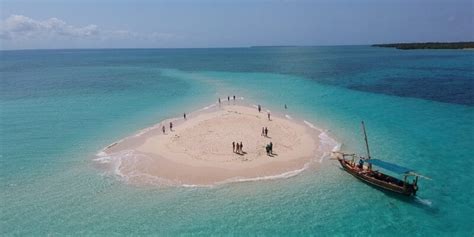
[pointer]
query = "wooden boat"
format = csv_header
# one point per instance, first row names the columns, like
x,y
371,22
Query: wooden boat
x,y
376,178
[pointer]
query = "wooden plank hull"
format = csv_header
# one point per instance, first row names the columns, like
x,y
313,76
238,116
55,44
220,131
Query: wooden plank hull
x,y
379,180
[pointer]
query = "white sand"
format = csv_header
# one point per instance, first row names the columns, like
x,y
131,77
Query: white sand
x,y
199,150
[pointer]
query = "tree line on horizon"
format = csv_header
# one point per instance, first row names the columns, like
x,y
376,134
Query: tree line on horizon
x,y
429,45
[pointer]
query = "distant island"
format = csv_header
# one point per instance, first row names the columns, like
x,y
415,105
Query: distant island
x,y
429,45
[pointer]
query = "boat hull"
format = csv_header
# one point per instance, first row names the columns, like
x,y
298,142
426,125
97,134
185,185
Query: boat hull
x,y
396,186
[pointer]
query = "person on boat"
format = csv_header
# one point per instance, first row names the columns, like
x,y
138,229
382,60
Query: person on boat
x,y
233,147
361,164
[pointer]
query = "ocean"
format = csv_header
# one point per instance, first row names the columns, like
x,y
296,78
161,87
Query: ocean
x,y
59,108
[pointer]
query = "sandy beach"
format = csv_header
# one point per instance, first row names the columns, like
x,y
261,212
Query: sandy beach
x,y
199,151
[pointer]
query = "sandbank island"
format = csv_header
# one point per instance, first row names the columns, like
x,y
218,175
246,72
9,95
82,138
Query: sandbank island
x,y
199,151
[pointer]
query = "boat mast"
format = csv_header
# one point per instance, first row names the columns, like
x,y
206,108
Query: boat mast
x,y
366,141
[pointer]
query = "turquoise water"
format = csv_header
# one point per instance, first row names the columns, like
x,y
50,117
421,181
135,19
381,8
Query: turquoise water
x,y
60,107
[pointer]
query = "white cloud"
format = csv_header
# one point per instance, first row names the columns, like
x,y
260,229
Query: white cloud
x,y
18,31
22,27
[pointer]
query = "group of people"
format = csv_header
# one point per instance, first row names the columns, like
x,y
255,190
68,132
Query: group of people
x,y
164,129
259,107
228,99
237,148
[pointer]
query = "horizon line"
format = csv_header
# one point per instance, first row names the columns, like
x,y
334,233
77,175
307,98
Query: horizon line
x,y
230,47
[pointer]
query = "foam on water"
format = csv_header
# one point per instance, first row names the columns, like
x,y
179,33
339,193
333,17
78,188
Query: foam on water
x,y
143,131
327,144
288,174
101,153
425,202
311,125
208,107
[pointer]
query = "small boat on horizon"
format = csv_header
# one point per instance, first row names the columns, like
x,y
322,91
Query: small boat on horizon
x,y
363,171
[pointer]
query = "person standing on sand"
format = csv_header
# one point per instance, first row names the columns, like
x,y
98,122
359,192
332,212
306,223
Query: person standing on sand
x,y
271,148
233,147
241,147
219,100
268,114
171,126
266,132
259,108
234,97
184,115
163,129
228,98
237,148
263,131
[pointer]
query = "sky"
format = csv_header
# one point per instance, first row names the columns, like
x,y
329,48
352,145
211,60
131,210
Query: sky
x,y
45,24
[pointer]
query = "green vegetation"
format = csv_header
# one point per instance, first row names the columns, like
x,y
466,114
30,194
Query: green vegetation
x,y
429,45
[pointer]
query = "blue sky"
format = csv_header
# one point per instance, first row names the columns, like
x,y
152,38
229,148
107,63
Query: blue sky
x,y
227,23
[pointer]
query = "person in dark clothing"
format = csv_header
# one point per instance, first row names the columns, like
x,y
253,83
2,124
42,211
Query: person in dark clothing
x,y
271,147
241,147
171,126
233,146
228,98
219,100
184,115
163,129
361,164
263,131
266,132
234,97
259,108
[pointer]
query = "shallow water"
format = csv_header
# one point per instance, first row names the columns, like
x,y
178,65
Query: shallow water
x,y
60,107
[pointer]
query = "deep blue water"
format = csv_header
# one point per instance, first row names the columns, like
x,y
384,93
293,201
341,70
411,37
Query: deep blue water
x,y
59,107
439,75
